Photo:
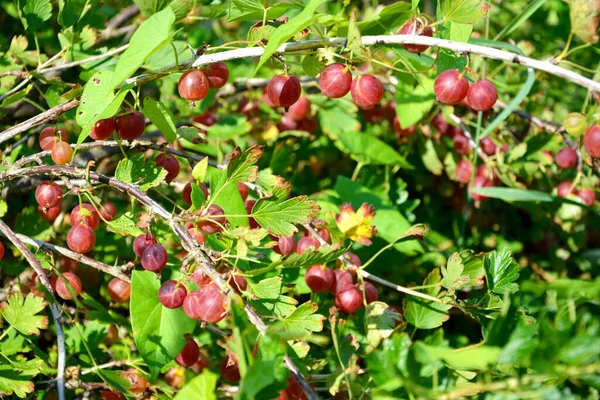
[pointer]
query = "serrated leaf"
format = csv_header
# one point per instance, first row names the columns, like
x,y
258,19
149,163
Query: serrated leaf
x,y
20,312
158,331
72,11
413,103
463,11
200,169
584,19
501,272
322,255
425,314
34,13
278,214
12,380
453,277
312,65
202,386
270,298
283,33
380,321
241,166
137,171
304,319
162,117
125,224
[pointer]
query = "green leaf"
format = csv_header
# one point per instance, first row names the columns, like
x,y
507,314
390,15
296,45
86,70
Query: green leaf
x,y
279,215
368,149
253,10
3,208
230,127
200,169
413,103
241,166
304,319
72,11
137,171
179,7
34,13
453,277
501,272
472,358
203,386
158,331
430,158
521,18
125,224
390,17
338,117
20,312
16,380
425,314
267,374
380,321
286,31
270,298
462,11
312,65
162,117
322,255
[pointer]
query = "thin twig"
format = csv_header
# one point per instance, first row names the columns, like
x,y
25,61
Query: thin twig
x,y
60,338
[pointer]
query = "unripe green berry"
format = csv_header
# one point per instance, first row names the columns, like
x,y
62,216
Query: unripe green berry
x,y
575,124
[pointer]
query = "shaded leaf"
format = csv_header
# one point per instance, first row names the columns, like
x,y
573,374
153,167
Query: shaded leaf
x,y
202,386
162,117
501,272
425,314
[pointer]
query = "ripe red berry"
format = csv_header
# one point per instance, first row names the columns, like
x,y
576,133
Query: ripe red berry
x,y
175,377
416,26
141,242
91,218
109,395
62,153
169,163
154,257
284,90
206,304
238,284
464,170
81,239
119,290
478,182
137,383
366,91
450,87
482,95
189,354
587,195
488,146
442,126
461,144
217,74
305,243
349,300
187,192
335,81
371,293
214,219
66,282
353,258
197,234
103,129
193,85
566,158
48,194
285,245
249,204
1,251
131,126
319,278
320,226
229,370
591,141
243,189
172,294
299,110
401,132
343,280
199,278
564,189
49,136
108,211
206,119
49,214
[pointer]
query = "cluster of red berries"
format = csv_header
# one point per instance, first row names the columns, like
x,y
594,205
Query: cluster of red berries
x,y
55,140
452,88
564,189
195,84
128,126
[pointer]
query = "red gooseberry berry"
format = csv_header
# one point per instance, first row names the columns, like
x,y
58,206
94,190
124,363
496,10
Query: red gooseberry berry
x,y
172,294
366,91
299,110
189,354
217,74
335,80
207,304
169,163
416,26
49,214
243,189
154,257
349,300
461,144
200,278
482,95
119,290
141,242
479,182
103,129
488,146
566,158
1,251
450,87
89,217
49,136
352,258
131,126
81,238
193,85
305,243
110,395
62,153
564,189
591,141
464,170
238,284
284,90
401,132
66,283
108,211
319,278
48,194
285,245
588,196
229,370
137,383
371,293
214,218
343,279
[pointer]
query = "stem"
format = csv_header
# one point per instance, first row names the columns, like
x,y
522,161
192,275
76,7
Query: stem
x,y
356,171
176,55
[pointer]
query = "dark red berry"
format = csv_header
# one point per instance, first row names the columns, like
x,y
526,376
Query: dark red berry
x,y
103,129
131,126
141,242
371,293
81,239
450,87
217,74
91,217
193,85
48,194
305,243
189,354
238,283
335,80
68,281
319,278
353,258
482,95
587,195
591,141
49,214
249,204
443,127
566,158
366,91
284,90
214,219
464,170
154,257
119,290
169,163
343,279
206,119
480,182
416,26
401,132
206,304
488,146
243,189
108,211
229,370
1,251
564,189
285,245
461,144
349,300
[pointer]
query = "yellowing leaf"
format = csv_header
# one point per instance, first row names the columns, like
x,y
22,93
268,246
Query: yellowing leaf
x,y
584,19
355,224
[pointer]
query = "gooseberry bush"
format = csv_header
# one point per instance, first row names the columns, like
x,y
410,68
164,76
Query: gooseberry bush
x,y
299,199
